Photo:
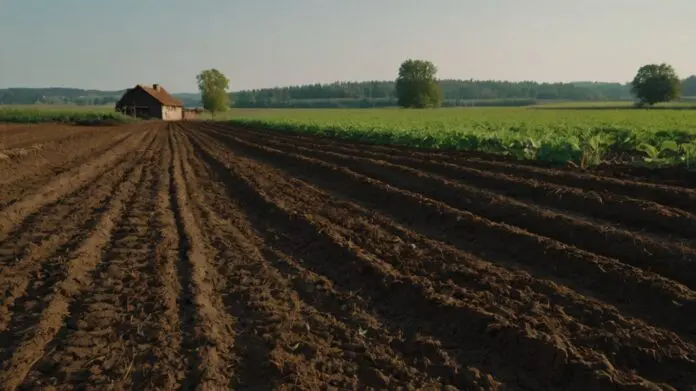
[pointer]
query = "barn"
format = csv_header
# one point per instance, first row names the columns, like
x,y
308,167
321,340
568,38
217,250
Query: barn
x,y
150,102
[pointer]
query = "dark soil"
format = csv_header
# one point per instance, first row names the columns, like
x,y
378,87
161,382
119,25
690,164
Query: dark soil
x,y
200,255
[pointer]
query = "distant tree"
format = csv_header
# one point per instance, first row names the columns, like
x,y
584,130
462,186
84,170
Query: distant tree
x,y
416,85
688,86
213,86
656,83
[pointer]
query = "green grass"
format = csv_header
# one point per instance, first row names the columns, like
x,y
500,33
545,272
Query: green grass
x,y
586,137
61,114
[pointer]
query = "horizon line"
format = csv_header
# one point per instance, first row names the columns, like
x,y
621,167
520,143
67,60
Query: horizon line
x,y
331,82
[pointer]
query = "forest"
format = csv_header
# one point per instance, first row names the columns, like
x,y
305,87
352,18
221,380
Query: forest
x,y
456,93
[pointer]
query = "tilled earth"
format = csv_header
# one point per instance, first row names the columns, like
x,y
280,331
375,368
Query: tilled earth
x,y
203,256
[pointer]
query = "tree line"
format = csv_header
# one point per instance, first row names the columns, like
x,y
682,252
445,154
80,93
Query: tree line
x,y
76,96
73,96
417,86
658,78
454,93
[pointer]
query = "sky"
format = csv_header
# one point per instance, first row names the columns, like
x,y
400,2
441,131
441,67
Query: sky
x,y
110,45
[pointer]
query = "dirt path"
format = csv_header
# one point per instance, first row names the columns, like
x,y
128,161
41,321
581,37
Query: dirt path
x,y
200,256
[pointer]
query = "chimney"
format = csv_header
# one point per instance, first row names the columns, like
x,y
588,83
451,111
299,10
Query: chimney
x,y
156,87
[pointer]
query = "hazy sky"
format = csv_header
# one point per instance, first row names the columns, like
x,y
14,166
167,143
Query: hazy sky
x,y
114,44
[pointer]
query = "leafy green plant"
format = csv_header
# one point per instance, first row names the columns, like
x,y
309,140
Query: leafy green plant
x,y
593,150
666,154
621,140
689,153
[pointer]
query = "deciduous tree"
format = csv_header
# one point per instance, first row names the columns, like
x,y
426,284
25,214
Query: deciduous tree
x,y
655,83
213,86
416,85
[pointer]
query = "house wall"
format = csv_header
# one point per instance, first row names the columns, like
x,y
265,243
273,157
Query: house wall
x,y
172,113
145,105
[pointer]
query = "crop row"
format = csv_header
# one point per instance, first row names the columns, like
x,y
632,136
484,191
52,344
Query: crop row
x,y
586,137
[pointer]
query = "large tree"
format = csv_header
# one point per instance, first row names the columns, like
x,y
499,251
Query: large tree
x,y
655,83
213,86
416,85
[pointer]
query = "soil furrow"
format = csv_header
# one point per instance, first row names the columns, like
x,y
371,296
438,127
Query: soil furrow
x,y
62,184
176,324
274,257
666,194
27,135
27,177
25,231
27,153
13,133
641,215
201,255
585,272
54,230
310,339
674,261
77,270
628,357
410,295
387,356
214,335
98,345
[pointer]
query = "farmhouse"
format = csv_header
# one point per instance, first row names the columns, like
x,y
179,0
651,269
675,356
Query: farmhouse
x,y
150,102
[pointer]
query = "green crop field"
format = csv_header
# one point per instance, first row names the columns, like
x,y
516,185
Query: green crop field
x,y
587,137
60,114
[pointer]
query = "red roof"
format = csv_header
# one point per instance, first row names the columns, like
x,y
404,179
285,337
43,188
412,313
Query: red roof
x,y
161,95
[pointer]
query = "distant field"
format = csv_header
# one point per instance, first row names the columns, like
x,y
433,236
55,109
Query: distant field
x,y
687,103
587,137
60,113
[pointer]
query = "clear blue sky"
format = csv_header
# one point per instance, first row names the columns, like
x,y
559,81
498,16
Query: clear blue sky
x,y
114,44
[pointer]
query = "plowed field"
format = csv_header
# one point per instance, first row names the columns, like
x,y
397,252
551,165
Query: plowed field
x,y
201,256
